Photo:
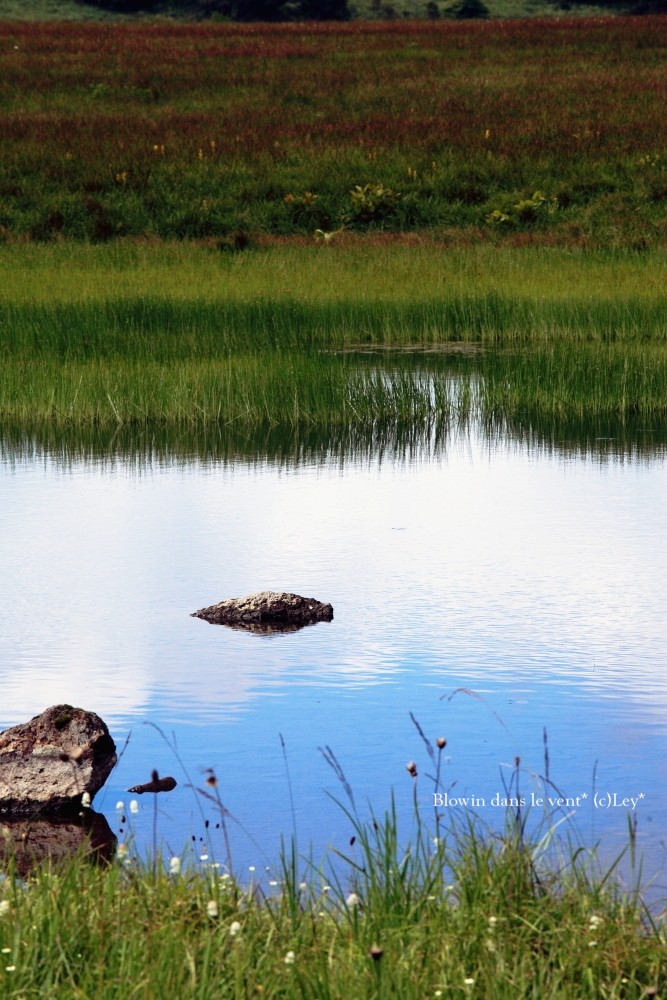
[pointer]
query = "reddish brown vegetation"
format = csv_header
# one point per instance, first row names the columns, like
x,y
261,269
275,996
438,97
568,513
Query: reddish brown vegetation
x,y
220,122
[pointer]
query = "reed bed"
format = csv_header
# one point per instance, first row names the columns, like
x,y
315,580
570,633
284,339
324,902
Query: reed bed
x,y
173,301
305,336
292,390
153,329
598,381
246,391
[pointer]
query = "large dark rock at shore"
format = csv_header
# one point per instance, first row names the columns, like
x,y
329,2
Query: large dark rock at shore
x,y
29,842
267,611
47,764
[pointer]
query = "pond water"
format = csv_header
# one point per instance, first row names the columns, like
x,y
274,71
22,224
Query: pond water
x,y
527,568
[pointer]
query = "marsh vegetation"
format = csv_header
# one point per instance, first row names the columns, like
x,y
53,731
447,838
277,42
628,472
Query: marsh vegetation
x,y
513,131
327,336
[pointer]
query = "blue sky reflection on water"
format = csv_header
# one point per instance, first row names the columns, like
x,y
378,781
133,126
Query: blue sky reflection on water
x,y
536,580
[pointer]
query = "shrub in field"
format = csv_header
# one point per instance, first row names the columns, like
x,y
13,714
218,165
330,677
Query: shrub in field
x,y
307,211
526,211
284,10
372,204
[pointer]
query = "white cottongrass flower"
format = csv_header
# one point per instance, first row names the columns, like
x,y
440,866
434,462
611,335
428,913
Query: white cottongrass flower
x,y
122,851
5,907
594,922
85,800
290,958
120,805
134,807
10,968
469,981
212,908
352,901
174,866
234,928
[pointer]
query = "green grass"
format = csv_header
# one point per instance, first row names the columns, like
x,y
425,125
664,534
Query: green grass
x,y
183,335
413,270
468,913
585,383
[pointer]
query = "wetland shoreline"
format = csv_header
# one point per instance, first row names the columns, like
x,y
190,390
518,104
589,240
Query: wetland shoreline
x,y
177,334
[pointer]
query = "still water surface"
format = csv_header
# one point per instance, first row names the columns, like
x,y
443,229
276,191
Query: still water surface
x,y
531,574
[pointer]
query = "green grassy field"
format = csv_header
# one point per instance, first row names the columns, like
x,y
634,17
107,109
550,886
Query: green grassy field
x,y
407,270
167,195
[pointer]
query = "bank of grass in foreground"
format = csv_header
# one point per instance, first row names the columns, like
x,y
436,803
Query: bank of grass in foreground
x,y
140,335
461,916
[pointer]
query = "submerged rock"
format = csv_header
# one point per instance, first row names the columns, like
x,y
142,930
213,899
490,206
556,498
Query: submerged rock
x,y
267,611
47,764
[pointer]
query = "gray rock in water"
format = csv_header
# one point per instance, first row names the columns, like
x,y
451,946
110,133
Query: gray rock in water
x,y
47,764
267,611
